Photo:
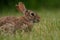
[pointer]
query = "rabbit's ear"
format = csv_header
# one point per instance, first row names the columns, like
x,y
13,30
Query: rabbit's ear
x,y
21,7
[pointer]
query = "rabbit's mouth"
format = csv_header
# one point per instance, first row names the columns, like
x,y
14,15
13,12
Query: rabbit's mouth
x,y
36,21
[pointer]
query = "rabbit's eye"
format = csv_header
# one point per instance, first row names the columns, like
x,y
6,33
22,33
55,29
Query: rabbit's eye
x,y
32,14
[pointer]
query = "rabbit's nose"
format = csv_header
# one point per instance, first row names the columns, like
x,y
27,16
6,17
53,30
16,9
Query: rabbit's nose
x,y
38,20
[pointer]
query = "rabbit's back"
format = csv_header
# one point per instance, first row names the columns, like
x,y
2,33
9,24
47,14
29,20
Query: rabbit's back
x,y
8,19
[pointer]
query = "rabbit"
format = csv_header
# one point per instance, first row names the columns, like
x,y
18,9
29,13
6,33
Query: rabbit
x,y
24,22
7,28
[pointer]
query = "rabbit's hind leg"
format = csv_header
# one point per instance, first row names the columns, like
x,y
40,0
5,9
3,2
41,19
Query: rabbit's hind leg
x,y
7,28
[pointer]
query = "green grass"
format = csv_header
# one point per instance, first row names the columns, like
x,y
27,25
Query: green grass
x,y
47,29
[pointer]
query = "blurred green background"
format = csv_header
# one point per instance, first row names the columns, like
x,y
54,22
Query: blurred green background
x,y
30,4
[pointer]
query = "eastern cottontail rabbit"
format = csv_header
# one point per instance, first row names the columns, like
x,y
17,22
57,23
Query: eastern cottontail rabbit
x,y
24,22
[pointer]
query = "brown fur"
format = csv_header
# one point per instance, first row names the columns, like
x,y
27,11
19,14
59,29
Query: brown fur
x,y
24,22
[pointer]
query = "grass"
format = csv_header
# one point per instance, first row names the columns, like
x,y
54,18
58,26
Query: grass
x,y
47,29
